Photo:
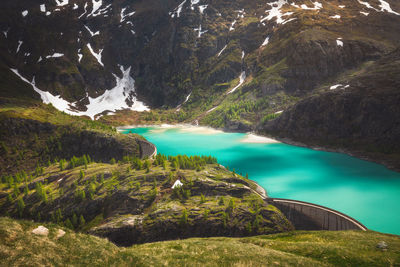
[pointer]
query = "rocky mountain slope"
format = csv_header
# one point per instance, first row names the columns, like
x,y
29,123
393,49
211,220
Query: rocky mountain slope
x,y
190,54
359,114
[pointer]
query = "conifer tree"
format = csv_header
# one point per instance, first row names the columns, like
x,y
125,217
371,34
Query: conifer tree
x,y
202,199
221,201
68,224
184,217
74,220
82,221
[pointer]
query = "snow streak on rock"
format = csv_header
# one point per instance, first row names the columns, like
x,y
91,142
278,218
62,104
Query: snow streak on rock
x,y
47,97
55,55
266,41
96,55
200,32
19,46
112,100
123,15
177,11
85,11
92,33
178,108
62,2
384,6
96,4
222,50
275,12
242,77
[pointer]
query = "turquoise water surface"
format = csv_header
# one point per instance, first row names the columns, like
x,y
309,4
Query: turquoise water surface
x,y
365,191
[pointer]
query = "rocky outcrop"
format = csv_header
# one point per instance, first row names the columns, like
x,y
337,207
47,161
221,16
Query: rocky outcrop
x,y
359,116
42,141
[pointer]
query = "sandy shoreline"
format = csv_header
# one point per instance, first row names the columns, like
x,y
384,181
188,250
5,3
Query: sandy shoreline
x,y
182,127
189,128
257,139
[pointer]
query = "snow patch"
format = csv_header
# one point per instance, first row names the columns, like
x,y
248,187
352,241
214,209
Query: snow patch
x,y
112,100
75,7
85,11
96,4
177,11
47,97
116,98
335,17
364,13
96,55
123,15
288,20
55,55
19,46
92,33
386,7
339,42
266,41
193,2
177,183
342,6
62,2
80,56
211,110
200,32
242,77
275,12
317,6
202,8
339,86
222,50
43,8
6,32
232,26
25,13
178,108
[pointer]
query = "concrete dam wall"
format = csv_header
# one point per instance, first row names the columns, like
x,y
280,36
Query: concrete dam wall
x,y
147,149
308,216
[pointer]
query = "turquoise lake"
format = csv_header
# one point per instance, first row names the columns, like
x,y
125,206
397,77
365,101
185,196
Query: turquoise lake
x,y
366,191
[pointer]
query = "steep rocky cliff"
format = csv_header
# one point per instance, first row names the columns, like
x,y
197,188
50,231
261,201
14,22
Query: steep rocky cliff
x,y
358,115
32,135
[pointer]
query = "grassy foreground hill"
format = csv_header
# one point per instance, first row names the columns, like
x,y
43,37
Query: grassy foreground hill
x,y
20,247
